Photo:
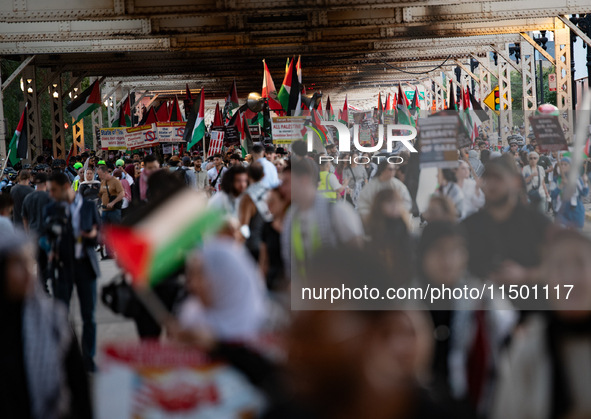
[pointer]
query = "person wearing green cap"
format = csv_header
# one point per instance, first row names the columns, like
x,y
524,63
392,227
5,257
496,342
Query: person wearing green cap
x,y
120,163
80,173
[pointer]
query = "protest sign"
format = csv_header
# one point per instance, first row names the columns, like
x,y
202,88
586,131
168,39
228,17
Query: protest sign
x,y
216,142
170,132
438,141
113,138
141,137
149,380
255,133
231,135
548,133
287,129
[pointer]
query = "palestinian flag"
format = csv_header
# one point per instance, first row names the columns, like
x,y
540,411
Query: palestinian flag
x,y
415,106
124,119
387,107
85,103
19,146
403,114
175,112
195,128
471,118
480,113
188,102
162,235
231,102
344,115
289,94
246,143
452,98
329,113
320,130
70,154
269,90
162,112
149,117
217,116
380,107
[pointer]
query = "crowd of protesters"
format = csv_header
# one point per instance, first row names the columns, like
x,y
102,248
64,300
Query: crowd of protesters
x,y
501,217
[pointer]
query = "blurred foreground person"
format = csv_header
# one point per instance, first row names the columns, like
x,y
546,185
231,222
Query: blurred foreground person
x,y
226,300
234,183
42,375
547,371
384,179
389,235
313,222
358,363
72,224
469,333
505,237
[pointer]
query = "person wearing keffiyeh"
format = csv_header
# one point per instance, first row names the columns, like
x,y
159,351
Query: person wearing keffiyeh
x,y
42,374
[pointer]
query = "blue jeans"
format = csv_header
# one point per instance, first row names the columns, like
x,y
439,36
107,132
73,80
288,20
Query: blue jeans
x,y
82,275
111,217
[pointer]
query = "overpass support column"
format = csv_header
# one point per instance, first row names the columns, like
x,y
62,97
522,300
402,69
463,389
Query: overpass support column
x,y
97,121
563,78
33,119
57,118
485,89
528,74
505,117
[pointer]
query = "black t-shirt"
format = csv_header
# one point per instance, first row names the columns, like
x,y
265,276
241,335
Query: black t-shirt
x,y
33,210
519,238
272,240
546,164
18,193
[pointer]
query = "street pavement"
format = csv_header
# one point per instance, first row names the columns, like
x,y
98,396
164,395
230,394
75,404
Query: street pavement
x,y
110,326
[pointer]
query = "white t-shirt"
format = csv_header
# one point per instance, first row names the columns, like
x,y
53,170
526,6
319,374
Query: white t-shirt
x,y
535,182
213,174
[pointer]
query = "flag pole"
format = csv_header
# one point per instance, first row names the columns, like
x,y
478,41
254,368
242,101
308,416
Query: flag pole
x,y
5,162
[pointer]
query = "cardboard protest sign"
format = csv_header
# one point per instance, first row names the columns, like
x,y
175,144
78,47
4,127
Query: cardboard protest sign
x,y
170,132
438,141
141,137
287,129
113,138
149,380
548,133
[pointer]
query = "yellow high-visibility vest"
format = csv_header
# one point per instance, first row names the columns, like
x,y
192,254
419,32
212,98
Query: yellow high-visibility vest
x,y
324,187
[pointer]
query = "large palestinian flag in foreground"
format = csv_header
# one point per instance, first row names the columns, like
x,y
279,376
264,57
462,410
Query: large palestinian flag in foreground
x,y
18,145
85,103
157,243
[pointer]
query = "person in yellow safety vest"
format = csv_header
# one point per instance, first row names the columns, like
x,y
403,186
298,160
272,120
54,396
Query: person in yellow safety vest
x,y
329,186
79,169
312,222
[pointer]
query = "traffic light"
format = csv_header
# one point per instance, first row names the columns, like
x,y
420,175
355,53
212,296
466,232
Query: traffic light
x,y
497,100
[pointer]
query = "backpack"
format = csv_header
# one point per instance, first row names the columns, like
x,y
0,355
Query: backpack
x,y
183,176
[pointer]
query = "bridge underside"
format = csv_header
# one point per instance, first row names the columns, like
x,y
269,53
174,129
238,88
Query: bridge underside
x,y
154,47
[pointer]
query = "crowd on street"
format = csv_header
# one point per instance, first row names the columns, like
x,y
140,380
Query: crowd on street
x,y
502,216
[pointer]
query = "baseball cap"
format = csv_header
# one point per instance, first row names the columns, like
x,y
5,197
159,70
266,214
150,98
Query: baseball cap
x,y
78,166
120,163
186,160
102,162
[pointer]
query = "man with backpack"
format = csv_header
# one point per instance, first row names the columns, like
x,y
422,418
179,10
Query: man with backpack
x,y
186,174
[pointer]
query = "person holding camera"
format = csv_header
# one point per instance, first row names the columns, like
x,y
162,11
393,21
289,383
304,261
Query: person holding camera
x,y
111,195
71,226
